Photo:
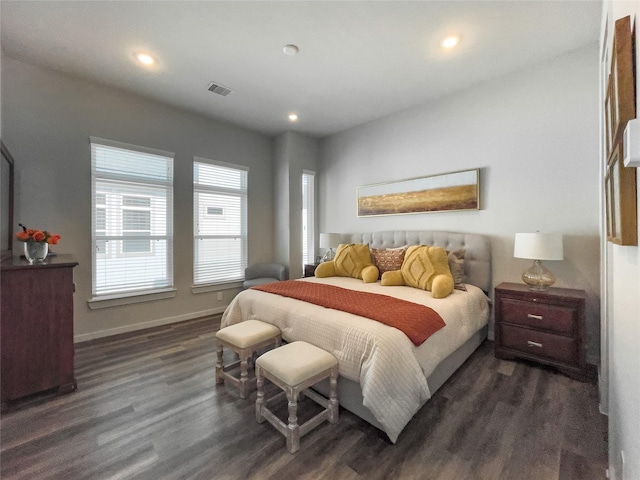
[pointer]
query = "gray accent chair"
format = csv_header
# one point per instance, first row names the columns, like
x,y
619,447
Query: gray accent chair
x,y
261,273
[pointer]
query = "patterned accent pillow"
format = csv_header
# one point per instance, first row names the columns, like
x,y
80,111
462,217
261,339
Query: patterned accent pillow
x,y
389,259
456,265
354,260
427,268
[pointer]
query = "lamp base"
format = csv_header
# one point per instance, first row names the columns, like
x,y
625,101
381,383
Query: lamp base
x,y
538,277
329,255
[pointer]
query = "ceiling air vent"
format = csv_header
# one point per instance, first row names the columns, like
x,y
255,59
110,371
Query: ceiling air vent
x,y
219,89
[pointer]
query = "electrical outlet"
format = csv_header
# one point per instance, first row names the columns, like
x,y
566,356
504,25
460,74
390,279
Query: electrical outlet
x,y
219,296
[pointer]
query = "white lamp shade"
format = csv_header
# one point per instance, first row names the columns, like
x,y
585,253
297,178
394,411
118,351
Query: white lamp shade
x,y
329,240
538,246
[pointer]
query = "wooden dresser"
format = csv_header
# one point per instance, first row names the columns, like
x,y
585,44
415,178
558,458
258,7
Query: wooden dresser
x,y
36,327
547,327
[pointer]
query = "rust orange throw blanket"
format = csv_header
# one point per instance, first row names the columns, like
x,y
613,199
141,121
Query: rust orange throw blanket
x,y
418,322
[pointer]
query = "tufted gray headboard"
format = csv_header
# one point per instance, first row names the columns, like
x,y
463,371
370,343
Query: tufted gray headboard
x,y
477,258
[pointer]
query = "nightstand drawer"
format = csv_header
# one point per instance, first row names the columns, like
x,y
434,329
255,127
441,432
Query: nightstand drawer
x,y
553,318
540,344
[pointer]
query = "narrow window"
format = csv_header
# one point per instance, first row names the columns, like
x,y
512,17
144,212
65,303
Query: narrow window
x,y
219,222
308,218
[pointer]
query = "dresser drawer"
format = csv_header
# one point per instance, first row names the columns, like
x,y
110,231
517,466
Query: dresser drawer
x,y
552,318
540,344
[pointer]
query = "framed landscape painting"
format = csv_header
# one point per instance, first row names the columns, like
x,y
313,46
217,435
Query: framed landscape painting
x,y
435,193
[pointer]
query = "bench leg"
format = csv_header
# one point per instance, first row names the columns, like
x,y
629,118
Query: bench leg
x,y
293,429
219,366
333,397
260,399
244,374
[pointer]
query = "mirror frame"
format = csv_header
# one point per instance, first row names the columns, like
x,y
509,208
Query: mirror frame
x,y
9,198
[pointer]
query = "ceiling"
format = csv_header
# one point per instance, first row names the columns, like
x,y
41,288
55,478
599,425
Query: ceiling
x,y
357,61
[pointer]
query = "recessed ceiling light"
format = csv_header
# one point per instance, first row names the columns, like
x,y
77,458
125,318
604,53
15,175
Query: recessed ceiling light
x,y
293,117
450,41
290,50
145,59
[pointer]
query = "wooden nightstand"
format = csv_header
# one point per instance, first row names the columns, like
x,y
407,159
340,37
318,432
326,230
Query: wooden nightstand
x,y
547,327
310,270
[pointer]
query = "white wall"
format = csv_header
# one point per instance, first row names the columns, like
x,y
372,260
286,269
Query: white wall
x,y
533,134
622,311
47,119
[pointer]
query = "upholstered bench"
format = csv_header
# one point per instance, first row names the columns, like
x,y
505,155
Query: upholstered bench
x,y
244,338
294,368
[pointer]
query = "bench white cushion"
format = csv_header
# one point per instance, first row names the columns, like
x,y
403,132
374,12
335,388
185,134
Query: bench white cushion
x,y
295,362
245,334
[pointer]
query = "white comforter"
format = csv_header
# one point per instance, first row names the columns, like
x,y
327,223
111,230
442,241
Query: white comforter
x,y
390,369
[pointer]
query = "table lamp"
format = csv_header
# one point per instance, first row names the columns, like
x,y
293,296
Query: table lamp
x,y
538,246
330,241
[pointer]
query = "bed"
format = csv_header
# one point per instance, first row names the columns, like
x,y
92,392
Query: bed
x,y
384,378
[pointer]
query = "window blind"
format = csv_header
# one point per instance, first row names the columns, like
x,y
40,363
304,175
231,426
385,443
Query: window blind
x,y
219,222
132,218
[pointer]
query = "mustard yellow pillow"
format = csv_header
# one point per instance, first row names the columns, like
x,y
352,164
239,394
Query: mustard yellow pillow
x,y
354,261
392,279
370,274
423,267
427,268
325,269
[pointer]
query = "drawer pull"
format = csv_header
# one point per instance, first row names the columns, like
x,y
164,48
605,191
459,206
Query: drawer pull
x,y
534,344
536,317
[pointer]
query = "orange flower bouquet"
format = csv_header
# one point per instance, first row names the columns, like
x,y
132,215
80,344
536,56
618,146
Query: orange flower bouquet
x,y
36,243
31,235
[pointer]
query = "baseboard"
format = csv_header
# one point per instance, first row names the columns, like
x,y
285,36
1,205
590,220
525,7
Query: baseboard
x,y
144,325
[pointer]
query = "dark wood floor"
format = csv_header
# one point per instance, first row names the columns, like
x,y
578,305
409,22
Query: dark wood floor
x,y
147,407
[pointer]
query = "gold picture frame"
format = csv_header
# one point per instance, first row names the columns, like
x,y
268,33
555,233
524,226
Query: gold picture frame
x,y
608,205
621,206
620,105
452,191
620,185
609,115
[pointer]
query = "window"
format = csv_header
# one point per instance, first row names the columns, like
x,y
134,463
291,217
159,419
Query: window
x,y
132,221
136,221
219,222
308,218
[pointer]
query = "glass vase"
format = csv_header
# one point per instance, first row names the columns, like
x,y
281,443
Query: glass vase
x,y
36,252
